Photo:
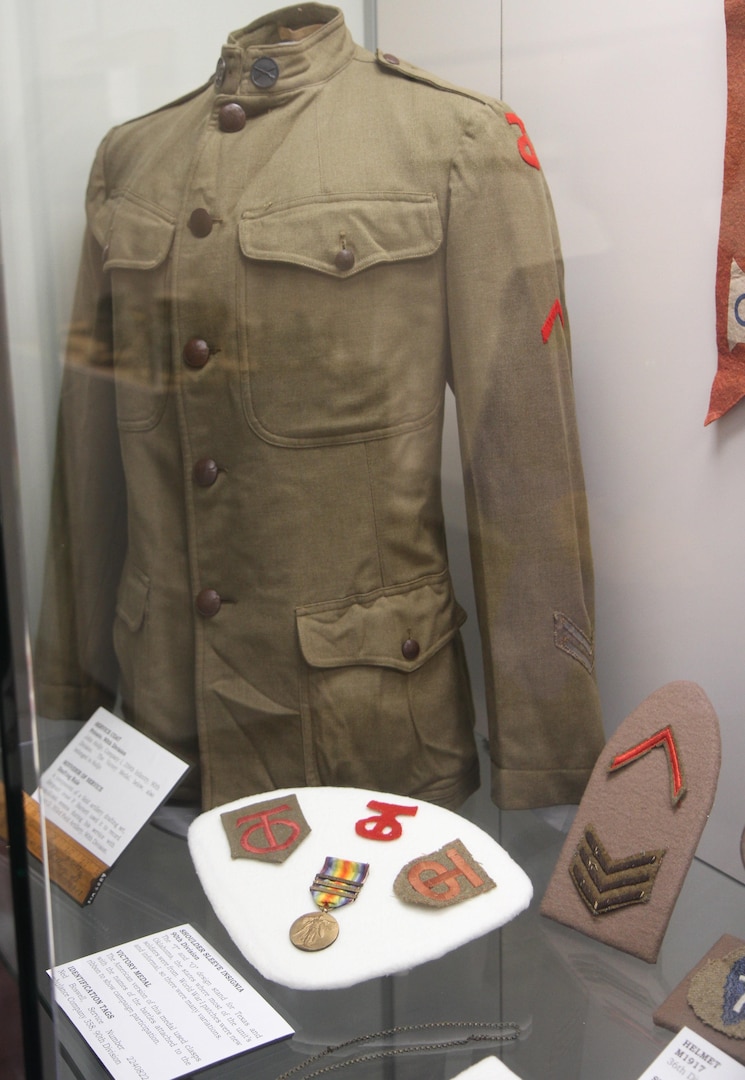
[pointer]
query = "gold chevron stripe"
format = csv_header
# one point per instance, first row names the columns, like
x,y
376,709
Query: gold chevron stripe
x,y
606,884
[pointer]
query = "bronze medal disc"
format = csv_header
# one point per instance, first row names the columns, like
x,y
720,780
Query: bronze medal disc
x,y
314,932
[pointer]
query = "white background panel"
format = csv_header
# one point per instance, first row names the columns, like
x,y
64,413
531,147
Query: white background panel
x,y
626,104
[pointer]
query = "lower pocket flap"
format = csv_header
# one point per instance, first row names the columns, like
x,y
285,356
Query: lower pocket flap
x,y
399,627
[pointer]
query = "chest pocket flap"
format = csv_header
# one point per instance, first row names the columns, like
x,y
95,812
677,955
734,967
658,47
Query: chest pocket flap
x,y
343,234
374,628
135,234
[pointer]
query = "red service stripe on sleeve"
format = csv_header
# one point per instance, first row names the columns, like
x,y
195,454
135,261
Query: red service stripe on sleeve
x,y
548,326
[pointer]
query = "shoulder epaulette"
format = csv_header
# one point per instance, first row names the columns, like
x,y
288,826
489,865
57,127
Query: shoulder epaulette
x,y
411,71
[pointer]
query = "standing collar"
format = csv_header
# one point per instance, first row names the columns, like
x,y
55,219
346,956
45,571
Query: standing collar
x,y
283,52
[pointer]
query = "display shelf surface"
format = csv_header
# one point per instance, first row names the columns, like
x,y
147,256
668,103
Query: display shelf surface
x,y
584,1009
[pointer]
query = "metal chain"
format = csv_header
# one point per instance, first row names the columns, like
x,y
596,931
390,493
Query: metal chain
x,y
502,1032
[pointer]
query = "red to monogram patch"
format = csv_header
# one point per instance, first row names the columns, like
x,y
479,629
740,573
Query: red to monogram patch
x,y
269,830
385,825
524,145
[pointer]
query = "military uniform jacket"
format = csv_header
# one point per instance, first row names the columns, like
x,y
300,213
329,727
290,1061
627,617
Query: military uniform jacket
x,y
282,272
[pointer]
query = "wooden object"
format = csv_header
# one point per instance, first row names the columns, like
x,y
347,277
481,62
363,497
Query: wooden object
x,y
77,871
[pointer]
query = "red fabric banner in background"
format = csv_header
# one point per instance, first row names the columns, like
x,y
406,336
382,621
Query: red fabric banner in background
x,y
729,383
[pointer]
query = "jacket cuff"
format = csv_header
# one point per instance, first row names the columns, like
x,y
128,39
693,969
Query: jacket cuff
x,y
525,789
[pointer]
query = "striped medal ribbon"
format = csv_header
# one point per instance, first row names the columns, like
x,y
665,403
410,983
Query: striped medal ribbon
x,y
338,883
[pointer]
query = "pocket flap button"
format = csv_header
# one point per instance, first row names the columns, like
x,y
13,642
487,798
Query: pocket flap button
x,y
344,259
410,649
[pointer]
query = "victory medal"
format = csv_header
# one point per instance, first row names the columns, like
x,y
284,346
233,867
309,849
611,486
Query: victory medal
x,y
337,884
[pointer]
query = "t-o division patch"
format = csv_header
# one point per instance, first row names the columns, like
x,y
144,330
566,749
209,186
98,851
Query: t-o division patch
x,y
606,884
717,994
446,877
269,830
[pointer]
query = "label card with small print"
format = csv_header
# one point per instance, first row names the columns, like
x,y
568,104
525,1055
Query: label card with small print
x,y
107,783
164,1005
692,1057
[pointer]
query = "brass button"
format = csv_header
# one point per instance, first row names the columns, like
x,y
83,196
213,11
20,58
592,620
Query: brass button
x,y
264,72
205,472
200,222
196,353
344,259
208,603
231,117
410,649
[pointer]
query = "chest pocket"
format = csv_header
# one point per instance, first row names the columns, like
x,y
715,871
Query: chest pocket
x,y
136,237
343,317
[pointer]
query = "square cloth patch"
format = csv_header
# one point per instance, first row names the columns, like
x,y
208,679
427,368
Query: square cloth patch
x,y
676,1011
257,902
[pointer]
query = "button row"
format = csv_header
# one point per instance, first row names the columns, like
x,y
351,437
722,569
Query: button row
x,y
208,603
196,353
200,222
205,472
231,117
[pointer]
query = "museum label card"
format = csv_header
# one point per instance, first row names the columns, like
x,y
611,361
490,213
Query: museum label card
x,y
164,1005
692,1057
107,783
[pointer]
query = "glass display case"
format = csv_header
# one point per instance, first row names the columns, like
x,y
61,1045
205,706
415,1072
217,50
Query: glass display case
x,y
124,377
18,987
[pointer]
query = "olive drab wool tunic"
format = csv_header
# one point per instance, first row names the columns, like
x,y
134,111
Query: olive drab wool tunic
x,y
282,272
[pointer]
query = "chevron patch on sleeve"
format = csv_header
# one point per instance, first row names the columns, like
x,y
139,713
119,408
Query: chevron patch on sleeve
x,y
606,884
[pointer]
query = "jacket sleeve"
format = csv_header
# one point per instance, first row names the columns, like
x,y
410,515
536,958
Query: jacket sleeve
x,y
75,669
525,496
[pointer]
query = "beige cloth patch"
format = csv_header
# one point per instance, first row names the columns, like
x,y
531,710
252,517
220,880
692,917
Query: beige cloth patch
x,y
717,994
676,1012
446,877
269,830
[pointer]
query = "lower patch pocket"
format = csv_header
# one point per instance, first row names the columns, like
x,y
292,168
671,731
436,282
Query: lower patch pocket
x,y
388,698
